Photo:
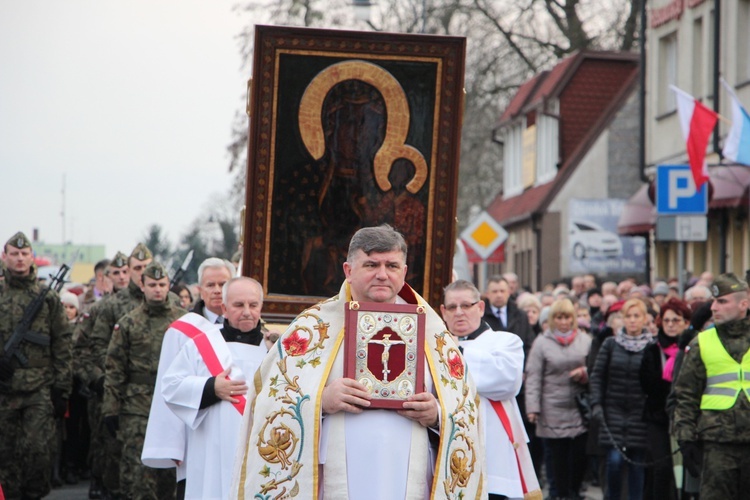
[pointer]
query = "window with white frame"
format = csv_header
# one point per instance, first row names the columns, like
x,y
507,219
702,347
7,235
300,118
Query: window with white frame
x,y
548,143
667,70
699,75
513,160
743,41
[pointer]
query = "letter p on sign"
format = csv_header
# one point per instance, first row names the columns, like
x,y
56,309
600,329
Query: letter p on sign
x,y
676,193
681,185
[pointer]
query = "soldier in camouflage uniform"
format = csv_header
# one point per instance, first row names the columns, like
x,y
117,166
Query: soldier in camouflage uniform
x,y
31,395
132,361
107,316
88,369
712,415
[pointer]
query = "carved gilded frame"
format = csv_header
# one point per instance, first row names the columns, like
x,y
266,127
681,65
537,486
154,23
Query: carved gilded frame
x,y
309,89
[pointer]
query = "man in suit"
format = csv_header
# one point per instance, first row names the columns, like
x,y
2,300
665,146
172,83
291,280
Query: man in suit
x,y
503,315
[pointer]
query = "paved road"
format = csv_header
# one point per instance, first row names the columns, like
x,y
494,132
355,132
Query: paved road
x,y
80,492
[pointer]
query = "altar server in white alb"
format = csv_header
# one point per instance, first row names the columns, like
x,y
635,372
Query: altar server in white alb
x,y
205,385
495,361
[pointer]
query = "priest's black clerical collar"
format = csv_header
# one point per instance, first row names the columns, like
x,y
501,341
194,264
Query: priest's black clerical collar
x,y
232,334
483,326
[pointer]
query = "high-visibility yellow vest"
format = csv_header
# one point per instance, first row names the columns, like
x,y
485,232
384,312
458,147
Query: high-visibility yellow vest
x,y
726,378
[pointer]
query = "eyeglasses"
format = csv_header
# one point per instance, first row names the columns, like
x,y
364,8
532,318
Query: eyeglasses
x,y
673,320
453,307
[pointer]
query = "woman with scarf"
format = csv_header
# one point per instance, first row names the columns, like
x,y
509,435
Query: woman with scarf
x,y
656,375
618,401
555,374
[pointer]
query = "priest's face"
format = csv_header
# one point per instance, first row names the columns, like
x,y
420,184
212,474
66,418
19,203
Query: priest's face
x,y
242,305
377,277
462,312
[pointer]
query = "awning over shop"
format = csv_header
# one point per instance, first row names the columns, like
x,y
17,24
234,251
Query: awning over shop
x,y
729,185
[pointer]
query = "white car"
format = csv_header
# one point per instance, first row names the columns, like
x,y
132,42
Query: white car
x,y
588,239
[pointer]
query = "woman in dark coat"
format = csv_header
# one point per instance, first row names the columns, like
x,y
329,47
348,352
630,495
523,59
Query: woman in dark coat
x,y
656,375
618,401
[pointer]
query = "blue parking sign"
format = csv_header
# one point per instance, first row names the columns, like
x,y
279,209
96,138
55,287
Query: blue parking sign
x,y
676,193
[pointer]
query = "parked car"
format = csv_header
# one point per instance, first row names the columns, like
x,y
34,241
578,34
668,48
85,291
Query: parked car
x,y
588,239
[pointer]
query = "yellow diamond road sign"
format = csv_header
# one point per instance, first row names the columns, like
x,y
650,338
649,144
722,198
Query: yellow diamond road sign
x,y
484,235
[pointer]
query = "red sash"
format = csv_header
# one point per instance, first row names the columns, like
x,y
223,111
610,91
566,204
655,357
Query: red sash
x,y
498,407
208,354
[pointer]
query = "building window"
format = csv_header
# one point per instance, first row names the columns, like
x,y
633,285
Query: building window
x,y
548,145
743,41
667,73
697,59
513,160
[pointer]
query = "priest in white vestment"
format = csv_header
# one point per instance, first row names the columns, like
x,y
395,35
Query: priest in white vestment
x,y
311,434
495,361
206,383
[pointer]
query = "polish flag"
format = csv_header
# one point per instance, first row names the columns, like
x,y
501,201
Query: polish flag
x,y
737,143
697,122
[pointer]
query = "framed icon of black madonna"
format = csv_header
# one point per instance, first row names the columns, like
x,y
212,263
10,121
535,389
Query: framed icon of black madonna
x,y
349,130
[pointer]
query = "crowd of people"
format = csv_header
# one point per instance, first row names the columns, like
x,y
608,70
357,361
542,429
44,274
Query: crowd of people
x,y
637,387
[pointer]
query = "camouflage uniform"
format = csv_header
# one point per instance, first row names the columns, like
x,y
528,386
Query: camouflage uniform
x,y
26,409
131,364
724,434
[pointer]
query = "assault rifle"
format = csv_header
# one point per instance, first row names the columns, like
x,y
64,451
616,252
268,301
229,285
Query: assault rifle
x,y
181,271
22,332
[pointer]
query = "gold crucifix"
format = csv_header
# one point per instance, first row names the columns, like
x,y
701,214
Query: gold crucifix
x,y
386,343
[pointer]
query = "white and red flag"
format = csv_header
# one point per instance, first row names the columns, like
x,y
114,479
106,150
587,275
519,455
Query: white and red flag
x,y
697,122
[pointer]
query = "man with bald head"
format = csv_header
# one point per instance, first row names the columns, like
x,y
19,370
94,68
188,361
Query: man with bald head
x,y
210,402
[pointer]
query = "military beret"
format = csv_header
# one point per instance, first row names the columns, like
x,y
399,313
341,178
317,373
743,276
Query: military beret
x,y
726,284
141,252
18,240
120,260
155,271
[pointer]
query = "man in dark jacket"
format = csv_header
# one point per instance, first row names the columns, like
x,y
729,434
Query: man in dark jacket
x,y
503,315
712,415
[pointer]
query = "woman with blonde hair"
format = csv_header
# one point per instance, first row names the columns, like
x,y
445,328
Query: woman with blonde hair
x,y
618,400
555,375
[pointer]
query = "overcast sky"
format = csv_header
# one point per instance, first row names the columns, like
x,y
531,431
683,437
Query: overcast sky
x,y
132,100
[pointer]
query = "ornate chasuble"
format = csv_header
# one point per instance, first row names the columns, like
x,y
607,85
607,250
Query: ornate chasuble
x,y
279,440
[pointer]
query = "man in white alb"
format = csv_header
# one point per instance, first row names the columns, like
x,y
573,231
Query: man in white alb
x,y
205,386
495,360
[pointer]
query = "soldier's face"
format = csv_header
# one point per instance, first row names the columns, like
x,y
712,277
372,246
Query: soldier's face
x,y
243,305
155,290
730,307
137,267
212,282
462,312
120,277
377,277
18,260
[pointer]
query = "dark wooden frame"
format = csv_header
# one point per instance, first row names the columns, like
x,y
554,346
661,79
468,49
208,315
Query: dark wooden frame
x,y
274,47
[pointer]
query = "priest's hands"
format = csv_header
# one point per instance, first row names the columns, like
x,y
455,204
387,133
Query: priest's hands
x,y
345,394
422,408
227,389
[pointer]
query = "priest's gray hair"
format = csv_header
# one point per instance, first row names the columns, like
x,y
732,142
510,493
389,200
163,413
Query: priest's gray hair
x,y
379,239
225,288
215,263
460,285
